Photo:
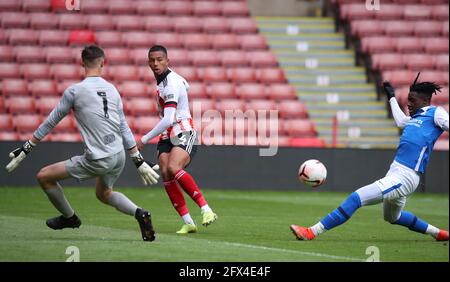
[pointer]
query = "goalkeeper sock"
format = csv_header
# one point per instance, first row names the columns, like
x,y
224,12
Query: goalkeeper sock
x,y
343,212
122,203
190,187
59,201
411,221
176,197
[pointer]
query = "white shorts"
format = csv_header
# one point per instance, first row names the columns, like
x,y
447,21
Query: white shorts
x,y
400,181
107,169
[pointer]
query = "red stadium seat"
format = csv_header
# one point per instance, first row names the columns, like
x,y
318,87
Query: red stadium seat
x,y
205,58
408,45
441,145
9,136
445,27
149,7
59,5
39,88
10,5
299,128
94,7
189,73
139,56
9,70
3,37
202,105
45,105
261,104
6,54
243,25
440,12
230,105
242,75
2,105
262,59
307,142
59,55
15,20
5,123
197,90
280,92
128,22
387,61
109,38
441,98
292,109
398,28
20,105
419,62
179,57
121,7
187,24
441,62
133,89
145,123
406,1
250,91
222,90
53,37
23,37
142,106
158,23
138,39
168,39
377,44
178,8
123,72
401,94
72,22
65,72
214,74
271,75
389,12
14,87
427,28
81,37
35,71
215,25
207,8
225,41
438,77
101,22
62,86
116,56
366,28
416,12
356,12
252,42
436,45
30,54
399,78
234,58
146,75
196,41
235,8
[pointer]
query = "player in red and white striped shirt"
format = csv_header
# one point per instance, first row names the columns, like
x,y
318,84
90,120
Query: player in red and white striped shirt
x,y
177,144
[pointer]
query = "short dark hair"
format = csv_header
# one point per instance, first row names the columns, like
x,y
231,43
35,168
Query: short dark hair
x,y
156,48
425,88
91,54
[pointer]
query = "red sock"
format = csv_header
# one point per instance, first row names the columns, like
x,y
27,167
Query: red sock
x,y
190,187
176,196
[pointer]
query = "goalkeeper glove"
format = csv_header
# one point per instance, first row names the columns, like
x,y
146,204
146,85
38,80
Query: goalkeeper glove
x,y
389,90
146,172
18,155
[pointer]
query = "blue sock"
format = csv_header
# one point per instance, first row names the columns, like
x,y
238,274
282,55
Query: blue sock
x,y
343,212
411,221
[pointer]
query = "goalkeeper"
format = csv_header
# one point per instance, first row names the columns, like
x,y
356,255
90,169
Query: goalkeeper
x,y
98,110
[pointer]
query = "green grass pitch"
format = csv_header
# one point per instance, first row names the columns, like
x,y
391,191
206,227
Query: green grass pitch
x,y
252,226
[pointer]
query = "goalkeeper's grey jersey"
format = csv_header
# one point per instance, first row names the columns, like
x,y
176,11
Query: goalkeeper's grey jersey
x,y
98,111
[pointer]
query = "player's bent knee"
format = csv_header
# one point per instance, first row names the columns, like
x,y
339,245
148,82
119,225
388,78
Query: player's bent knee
x,y
173,169
103,195
391,218
42,177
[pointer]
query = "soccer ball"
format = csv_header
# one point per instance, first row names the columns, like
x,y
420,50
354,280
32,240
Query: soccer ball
x,y
312,173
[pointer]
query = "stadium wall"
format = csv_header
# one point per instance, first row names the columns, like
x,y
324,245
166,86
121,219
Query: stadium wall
x,y
235,167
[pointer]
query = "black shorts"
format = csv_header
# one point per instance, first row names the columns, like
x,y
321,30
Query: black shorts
x,y
186,140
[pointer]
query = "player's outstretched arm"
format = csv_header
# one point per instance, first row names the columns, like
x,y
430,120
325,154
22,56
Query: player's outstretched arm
x,y
19,154
400,118
146,170
163,124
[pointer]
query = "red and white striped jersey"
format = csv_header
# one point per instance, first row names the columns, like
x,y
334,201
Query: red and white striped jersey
x,y
172,91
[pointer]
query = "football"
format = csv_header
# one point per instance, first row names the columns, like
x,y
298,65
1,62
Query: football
x,y
312,173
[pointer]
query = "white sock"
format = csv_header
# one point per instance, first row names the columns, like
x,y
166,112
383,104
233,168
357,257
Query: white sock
x,y
122,203
433,231
318,228
59,201
206,208
188,219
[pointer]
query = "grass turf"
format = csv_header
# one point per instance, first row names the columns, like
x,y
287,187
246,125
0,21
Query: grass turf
x,y
252,226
